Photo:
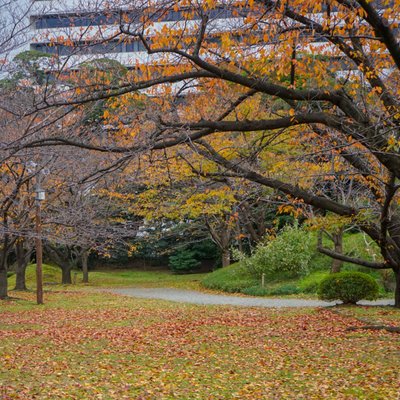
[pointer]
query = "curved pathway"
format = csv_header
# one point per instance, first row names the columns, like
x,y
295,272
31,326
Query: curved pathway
x,y
192,296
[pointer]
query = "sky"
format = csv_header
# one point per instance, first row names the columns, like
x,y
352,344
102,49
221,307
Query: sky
x,y
14,29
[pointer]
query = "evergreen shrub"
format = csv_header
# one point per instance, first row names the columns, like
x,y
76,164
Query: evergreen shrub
x,y
184,261
287,256
349,287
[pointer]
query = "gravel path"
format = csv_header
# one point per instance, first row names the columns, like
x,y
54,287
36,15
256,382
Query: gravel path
x,y
192,296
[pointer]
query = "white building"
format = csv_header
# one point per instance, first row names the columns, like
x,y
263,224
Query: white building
x,y
81,30
85,29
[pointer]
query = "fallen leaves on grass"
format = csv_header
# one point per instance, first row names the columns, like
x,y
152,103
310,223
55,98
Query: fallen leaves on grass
x,y
101,346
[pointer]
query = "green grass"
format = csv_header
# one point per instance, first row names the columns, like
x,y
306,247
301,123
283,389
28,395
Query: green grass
x,y
373,315
51,275
310,283
137,278
232,279
236,278
90,345
112,278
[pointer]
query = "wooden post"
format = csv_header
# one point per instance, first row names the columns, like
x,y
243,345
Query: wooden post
x,y
263,280
39,256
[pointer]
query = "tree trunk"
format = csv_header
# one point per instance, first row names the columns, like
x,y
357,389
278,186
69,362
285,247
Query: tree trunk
x,y
3,284
338,243
23,257
85,270
221,235
60,257
66,275
226,258
397,289
3,272
3,261
20,282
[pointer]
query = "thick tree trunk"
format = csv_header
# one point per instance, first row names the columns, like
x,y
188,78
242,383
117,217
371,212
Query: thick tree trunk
x,y
221,235
23,257
60,257
66,275
338,243
3,273
3,284
85,270
20,282
397,289
3,262
226,258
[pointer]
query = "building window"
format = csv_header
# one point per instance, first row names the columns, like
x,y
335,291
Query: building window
x,y
114,17
89,48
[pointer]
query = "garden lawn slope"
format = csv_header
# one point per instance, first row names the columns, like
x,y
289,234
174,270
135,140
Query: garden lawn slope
x,y
88,346
237,278
51,276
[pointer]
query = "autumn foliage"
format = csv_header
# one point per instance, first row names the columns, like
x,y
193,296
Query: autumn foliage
x,y
299,97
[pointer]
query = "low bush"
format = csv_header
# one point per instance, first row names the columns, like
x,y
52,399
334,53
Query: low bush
x,y
349,287
285,290
236,287
256,291
286,256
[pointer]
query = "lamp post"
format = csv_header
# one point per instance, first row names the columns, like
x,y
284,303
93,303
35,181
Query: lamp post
x,y
40,195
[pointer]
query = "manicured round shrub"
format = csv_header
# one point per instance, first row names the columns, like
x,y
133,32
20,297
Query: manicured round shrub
x,y
349,287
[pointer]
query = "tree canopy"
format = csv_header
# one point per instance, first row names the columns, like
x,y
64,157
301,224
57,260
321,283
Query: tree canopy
x,y
297,96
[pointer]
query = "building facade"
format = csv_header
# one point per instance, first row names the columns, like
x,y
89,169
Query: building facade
x,y
82,30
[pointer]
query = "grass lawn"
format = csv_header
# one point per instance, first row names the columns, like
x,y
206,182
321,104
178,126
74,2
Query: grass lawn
x,y
100,346
237,278
113,278
160,278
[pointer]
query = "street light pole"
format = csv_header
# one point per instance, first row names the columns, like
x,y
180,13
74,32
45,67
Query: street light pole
x,y
40,196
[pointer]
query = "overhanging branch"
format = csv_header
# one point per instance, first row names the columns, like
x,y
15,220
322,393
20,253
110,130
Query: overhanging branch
x,y
358,261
